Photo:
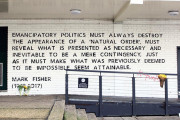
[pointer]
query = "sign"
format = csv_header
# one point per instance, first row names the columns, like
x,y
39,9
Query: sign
x,y
82,82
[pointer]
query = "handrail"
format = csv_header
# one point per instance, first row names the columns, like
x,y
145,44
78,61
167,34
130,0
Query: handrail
x,y
133,87
99,71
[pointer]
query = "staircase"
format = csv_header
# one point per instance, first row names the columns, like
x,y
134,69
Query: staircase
x,y
40,108
71,113
53,108
25,107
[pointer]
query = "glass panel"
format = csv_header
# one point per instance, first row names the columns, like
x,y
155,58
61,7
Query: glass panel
x,y
1,74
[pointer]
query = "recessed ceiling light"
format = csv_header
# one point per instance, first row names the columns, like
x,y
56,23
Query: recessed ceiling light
x,y
173,12
75,11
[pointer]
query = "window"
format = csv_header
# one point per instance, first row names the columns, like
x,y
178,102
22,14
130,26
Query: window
x,y
1,74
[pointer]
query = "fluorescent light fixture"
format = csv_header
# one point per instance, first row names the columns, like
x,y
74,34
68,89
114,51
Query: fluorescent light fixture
x,y
173,12
136,2
75,11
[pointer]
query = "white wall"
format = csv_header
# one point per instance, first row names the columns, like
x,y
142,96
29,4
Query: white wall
x,y
146,87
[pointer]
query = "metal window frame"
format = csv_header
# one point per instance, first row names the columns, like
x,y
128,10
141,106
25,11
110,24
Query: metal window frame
x,y
1,74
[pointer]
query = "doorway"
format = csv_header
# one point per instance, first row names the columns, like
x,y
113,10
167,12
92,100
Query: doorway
x,y
3,57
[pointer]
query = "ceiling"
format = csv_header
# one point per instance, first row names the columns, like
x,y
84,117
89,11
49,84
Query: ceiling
x,y
115,10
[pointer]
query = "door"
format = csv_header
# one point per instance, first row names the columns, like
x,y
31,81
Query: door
x,y
3,57
178,69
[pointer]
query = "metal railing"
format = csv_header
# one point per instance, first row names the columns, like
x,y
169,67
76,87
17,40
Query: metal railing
x,y
100,96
